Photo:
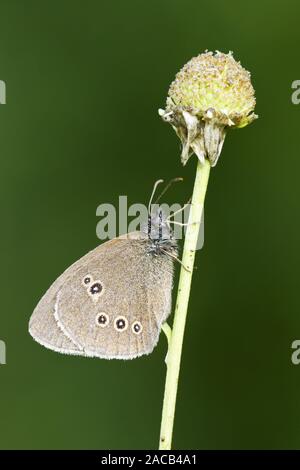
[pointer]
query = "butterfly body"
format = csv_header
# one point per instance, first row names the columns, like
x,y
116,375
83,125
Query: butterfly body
x,y
112,302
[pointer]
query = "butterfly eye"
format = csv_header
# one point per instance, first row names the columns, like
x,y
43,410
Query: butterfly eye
x,y
121,323
102,319
136,328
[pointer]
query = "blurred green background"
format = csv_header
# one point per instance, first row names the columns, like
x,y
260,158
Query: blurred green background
x,y
80,127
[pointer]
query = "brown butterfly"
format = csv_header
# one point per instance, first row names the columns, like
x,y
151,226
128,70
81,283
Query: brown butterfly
x,y
112,302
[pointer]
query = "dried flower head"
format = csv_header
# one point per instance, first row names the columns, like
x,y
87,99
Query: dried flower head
x,y
211,93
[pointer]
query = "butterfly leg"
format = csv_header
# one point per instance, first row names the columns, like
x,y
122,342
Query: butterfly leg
x,y
179,210
182,224
177,259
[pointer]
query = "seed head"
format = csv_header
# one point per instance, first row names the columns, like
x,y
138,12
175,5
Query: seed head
x,y
211,93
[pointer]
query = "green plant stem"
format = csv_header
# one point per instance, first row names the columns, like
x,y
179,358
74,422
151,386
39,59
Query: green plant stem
x,y
184,287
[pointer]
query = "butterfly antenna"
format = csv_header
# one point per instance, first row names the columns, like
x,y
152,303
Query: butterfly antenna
x,y
152,195
174,180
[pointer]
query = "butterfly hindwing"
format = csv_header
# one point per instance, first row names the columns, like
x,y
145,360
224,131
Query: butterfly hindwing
x,y
109,304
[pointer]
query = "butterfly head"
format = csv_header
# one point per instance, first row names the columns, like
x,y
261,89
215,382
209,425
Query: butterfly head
x,y
160,235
